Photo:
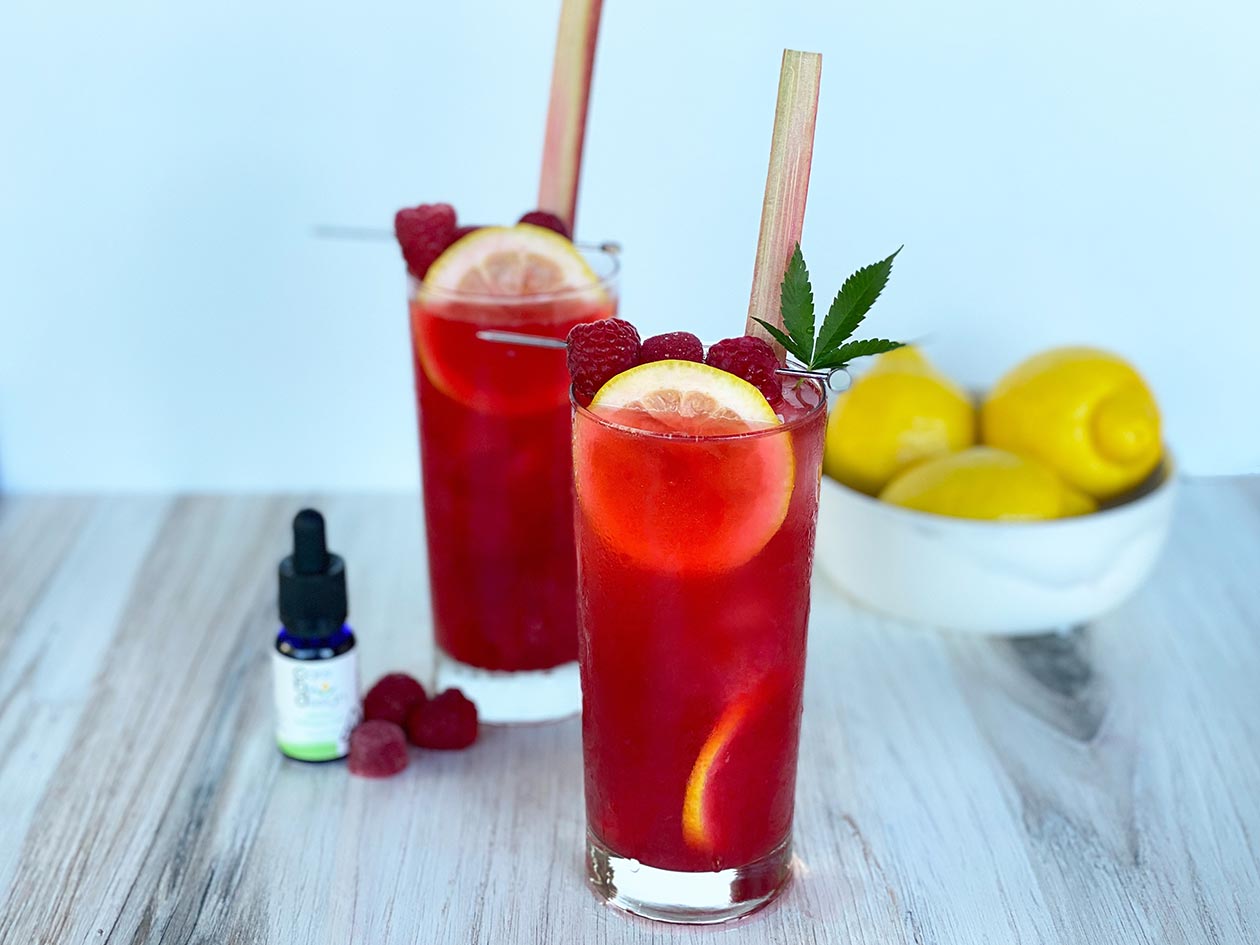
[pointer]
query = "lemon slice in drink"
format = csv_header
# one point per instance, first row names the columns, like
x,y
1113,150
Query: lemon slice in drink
x,y
741,780
697,818
511,261
518,278
686,395
688,473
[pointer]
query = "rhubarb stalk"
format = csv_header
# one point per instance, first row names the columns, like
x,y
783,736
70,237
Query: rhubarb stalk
x,y
566,111
787,184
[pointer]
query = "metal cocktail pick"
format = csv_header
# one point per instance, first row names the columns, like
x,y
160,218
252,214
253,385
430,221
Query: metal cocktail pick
x,y
827,378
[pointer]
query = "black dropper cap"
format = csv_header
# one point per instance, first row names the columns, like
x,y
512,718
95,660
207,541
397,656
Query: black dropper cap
x,y
312,581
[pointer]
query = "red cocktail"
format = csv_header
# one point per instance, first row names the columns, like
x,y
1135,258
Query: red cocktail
x,y
695,535
696,475
494,420
494,423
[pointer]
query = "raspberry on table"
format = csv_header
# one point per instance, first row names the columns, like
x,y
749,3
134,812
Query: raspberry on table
x,y
672,346
752,359
378,749
448,722
424,232
598,351
548,221
392,698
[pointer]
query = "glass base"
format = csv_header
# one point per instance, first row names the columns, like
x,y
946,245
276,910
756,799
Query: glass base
x,y
506,698
688,898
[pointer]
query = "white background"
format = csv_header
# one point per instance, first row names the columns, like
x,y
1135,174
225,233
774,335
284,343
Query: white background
x,y
1059,172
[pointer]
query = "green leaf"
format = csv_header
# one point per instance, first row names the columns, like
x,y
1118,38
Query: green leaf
x,y
796,303
851,304
829,349
778,335
842,355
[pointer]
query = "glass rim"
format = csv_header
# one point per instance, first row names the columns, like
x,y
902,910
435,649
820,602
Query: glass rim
x,y
787,427
605,282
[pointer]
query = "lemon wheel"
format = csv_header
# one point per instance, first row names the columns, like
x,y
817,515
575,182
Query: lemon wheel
x,y
519,278
703,495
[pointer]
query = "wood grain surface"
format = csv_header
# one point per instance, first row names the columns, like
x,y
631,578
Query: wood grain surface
x,y
1100,787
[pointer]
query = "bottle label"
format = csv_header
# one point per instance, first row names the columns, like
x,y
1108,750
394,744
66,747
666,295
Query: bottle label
x,y
317,705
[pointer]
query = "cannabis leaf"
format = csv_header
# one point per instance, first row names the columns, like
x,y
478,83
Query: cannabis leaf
x,y
796,302
853,301
830,347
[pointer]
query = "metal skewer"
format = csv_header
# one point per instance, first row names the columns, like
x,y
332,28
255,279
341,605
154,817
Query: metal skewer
x,y
520,338
827,378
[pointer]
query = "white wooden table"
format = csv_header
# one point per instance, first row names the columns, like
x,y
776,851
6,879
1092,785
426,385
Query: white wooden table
x,y
1098,788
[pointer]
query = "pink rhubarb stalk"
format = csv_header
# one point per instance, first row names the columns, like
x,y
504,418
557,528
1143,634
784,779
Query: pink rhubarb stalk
x,y
787,184
566,112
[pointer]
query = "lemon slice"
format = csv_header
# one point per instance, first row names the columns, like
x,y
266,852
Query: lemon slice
x,y
706,496
741,781
697,826
512,261
520,278
686,392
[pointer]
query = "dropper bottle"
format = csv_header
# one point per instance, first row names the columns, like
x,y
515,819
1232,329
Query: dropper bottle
x,y
314,665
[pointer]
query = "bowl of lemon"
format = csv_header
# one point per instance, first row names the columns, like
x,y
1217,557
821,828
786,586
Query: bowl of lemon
x,y
1039,505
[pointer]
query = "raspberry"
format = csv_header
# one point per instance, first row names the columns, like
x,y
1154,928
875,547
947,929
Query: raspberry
x,y
378,749
424,232
447,721
753,360
597,352
392,698
548,221
672,346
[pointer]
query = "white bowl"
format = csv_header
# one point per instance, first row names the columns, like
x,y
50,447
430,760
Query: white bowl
x,y
992,577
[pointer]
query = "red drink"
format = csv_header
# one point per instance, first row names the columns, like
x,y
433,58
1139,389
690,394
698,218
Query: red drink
x,y
495,427
694,559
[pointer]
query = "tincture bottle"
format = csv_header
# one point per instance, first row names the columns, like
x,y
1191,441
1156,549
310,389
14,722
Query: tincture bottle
x,y
314,664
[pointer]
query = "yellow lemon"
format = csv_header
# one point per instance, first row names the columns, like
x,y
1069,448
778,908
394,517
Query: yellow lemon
x,y
901,411
988,483
1085,413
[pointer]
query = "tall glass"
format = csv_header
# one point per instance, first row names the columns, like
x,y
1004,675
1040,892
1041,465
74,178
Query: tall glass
x,y
694,561
495,429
